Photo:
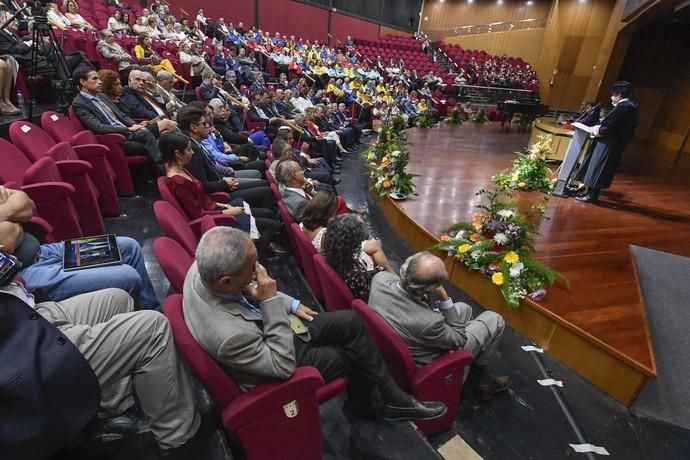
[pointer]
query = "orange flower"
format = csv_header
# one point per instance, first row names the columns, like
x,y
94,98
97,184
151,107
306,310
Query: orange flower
x,y
445,238
386,184
475,237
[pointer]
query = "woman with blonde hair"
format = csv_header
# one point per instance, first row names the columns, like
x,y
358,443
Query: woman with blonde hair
x,y
72,13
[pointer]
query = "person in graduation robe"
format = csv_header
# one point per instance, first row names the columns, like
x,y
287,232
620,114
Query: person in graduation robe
x,y
612,135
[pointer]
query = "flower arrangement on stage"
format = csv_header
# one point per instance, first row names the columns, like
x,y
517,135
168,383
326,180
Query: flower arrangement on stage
x,y
530,170
426,119
388,158
499,243
479,117
456,117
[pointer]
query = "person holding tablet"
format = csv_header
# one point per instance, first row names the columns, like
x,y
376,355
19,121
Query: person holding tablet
x,y
42,264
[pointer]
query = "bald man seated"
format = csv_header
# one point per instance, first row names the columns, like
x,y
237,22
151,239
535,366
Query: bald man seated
x,y
257,334
420,310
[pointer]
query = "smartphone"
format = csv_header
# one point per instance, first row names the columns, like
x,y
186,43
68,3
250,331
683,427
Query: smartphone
x,y
8,268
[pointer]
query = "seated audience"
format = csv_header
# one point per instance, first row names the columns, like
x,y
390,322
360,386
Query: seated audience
x,y
234,310
115,24
226,125
176,152
188,56
100,115
418,307
315,169
42,263
346,246
193,122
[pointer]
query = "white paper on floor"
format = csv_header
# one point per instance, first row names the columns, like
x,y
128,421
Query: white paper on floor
x,y
583,448
549,382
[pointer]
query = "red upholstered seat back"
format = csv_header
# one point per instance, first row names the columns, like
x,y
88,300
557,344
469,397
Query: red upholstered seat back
x,y
59,127
168,196
35,142
173,259
175,226
14,163
307,251
396,354
221,388
337,294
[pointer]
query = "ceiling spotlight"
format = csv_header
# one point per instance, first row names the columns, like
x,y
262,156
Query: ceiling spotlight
x,y
470,1
582,1
441,1
500,2
530,3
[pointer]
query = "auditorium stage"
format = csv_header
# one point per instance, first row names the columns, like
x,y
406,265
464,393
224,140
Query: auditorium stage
x,y
598,327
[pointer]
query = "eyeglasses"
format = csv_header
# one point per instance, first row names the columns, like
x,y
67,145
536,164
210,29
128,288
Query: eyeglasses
x,y
205,124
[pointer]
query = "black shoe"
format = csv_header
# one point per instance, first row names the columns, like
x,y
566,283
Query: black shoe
x,y
115,428
586,198
427,410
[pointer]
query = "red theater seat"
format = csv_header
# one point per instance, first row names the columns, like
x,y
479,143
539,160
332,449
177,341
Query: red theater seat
x,y
337,295
441,380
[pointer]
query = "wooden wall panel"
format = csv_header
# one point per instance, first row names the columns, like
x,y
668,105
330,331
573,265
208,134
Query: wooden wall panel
x,y
437,17
524,43
572,39
384,30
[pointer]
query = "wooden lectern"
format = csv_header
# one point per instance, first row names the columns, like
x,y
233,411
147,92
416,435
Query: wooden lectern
x,y
582,139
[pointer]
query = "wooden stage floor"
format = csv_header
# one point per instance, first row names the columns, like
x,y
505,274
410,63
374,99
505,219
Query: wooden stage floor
x,y
589,244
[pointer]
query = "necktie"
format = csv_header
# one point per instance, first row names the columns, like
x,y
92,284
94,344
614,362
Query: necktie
x,y
107,111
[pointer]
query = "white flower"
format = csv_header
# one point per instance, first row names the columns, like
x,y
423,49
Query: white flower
x,y
475,254
395,153
501,238
460,235
516,269
506,213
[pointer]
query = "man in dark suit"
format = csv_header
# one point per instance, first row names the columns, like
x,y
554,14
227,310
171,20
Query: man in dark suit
x,y
100,115
257,334
612,135
136,100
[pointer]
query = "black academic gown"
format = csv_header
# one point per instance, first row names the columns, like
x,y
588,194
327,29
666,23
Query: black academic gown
x,y
617,128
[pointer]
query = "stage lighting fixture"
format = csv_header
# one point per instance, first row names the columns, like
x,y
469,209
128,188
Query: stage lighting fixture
x,y
500,2
530,2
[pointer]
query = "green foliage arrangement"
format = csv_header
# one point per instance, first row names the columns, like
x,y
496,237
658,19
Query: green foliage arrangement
x,y
388,158
530,170
499,243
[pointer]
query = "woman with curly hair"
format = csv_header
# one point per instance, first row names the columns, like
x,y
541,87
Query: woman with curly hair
x,y
355,257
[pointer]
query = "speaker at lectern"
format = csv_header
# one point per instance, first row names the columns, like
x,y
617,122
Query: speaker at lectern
x,y
580,142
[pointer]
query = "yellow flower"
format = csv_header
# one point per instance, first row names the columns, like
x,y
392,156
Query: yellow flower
x,y
371,157
521,185
464,248
497,278
512,257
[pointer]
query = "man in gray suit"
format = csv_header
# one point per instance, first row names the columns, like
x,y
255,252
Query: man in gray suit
x,y
295,195
110,49
235,312
419,309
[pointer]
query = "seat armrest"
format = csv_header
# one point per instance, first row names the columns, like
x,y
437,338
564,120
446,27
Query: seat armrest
x,y
111,137
48,191
268,397
40,228
220,197
219,219
73,167
85,151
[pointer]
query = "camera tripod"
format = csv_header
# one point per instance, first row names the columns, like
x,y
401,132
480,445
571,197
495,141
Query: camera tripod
x,y
44,43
